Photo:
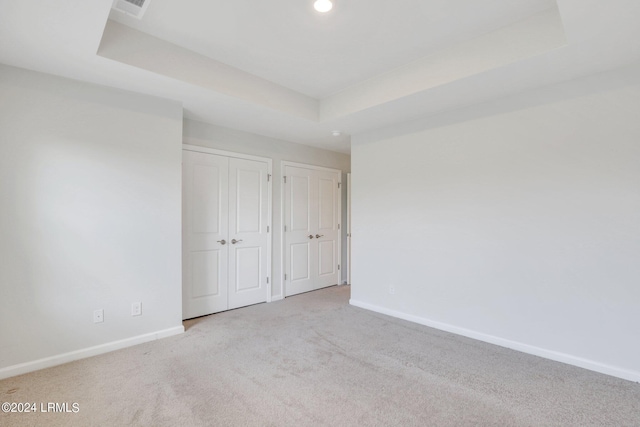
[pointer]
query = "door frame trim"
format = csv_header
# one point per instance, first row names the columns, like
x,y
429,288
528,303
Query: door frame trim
x,y
283,165
269,162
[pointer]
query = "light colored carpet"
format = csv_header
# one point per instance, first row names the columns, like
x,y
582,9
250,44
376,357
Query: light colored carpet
x,y
314,360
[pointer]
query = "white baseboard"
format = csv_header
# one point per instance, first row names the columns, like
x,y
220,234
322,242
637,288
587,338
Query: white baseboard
x,y
277,298
514,345
47,362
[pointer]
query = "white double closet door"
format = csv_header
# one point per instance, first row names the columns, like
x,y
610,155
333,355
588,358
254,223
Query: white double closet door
x,y
312,214
226,239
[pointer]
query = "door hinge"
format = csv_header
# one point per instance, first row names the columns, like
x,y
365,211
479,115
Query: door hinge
x,y
267,228
285,179
285,228
338,185
267,280
268,177
338,226
338,266
285,276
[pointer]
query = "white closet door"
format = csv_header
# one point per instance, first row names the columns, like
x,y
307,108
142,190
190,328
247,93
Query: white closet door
x,y
348,266
327,235
205,231
312,236
248,236
300,218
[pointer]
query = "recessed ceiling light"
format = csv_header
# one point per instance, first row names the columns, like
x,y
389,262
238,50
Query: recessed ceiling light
x,y
323,5
336,133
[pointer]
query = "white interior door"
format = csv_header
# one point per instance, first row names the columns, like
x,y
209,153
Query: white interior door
x,y
349,228
205,234
226,236
327,235
248,221
312,228
300,208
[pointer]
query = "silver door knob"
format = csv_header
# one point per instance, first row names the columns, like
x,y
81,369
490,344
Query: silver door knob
x,y
234,241
319,236
222,242
310,236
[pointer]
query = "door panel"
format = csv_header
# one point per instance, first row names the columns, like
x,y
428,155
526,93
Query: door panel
x,y
328,220
311,203
348,228
206,198
248,220
300,263
205,219
300,202
300,252
327,264
248,208
327,201
248,269
205,281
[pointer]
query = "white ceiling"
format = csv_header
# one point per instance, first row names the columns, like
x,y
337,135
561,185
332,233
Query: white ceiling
x,y
287,42
284,71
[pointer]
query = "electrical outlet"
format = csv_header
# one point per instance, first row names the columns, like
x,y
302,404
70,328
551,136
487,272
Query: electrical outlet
x,y
136,309
392,290
98,316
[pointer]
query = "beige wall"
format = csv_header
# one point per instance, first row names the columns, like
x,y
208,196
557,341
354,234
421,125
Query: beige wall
x,y
515,222
91,218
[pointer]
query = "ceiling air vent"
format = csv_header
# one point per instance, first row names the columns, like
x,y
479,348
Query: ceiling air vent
x,y
131,7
